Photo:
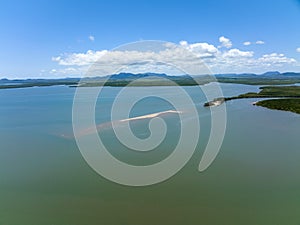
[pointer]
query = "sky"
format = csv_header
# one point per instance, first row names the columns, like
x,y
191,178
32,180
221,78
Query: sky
x,y
58,38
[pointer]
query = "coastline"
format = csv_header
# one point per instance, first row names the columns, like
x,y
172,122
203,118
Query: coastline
x,y
286,98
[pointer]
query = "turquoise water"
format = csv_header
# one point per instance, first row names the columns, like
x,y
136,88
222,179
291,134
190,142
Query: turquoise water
x,y
45,181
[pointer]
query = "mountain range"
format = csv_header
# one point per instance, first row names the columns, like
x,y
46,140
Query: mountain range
x,y
157,79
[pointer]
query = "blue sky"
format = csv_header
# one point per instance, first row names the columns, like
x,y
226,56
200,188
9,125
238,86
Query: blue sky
x,y
33,34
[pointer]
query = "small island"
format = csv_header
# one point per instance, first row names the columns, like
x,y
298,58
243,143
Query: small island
x,y
287,98
215,102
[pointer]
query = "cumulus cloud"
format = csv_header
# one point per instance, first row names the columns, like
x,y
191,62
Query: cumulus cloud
x,y
79,59
91,38
298,50
203,50
69,71
275,59
225,42
108,62
186,56
236,53
183,43
259,42
247,43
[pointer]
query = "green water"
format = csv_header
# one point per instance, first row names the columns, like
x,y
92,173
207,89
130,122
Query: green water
x,y
45,181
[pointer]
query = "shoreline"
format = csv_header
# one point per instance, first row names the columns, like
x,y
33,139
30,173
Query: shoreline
x,y
286,98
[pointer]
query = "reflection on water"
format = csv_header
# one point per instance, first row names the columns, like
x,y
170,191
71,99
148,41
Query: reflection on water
x,y
44,180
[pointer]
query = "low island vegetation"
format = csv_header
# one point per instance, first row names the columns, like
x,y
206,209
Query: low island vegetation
x,y
290,104
287,98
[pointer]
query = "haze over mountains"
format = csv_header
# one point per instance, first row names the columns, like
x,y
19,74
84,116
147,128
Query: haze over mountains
x,y
268,74
158,79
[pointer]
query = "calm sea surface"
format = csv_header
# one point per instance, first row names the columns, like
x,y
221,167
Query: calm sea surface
x,y
44,180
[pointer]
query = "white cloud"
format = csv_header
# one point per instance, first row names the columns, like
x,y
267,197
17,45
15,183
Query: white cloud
x,y
107,62
246,43
259,42
91,38
298,50
225,42
199,54
183,43
79,59
203,50
275,59
236,53
68,71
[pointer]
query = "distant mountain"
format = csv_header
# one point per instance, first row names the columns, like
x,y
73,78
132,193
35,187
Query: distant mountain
x,y
131,76
156,79
271,73
236,75
291,74
267,75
